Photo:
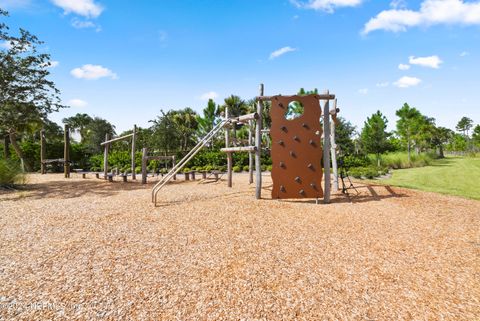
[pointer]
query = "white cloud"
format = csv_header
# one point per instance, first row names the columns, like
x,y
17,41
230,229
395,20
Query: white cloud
x,y
77,103
325,5
383,84
363,91
431,61
406,82
81,24
86,8
92,72
464,54
398,4
281,51
209,95
403,67
432,12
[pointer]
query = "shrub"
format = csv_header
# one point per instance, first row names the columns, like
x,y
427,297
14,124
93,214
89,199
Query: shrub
x,y
208,168
269,168
237,169
138,169
10,173
186,170
246,168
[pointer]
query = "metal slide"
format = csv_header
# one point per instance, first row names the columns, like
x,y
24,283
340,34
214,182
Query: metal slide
x,y
186,159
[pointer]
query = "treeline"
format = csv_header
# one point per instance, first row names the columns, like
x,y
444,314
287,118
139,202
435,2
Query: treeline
x,y
28,97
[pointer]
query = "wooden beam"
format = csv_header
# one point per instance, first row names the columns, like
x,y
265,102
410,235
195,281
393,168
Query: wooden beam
x,y
105,158
107,142
244,118
66,151
326,150
239,149
43,152
229,155
258,144
144,165
319,97
333,146
250,154
133,165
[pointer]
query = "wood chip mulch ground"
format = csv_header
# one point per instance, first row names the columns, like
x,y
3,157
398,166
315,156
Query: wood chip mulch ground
x,y
88,249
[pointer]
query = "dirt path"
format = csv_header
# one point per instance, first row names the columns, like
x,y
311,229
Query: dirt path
x,y
90,249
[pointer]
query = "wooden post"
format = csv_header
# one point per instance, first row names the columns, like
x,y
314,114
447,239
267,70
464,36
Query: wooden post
x,y
144,165
66,152
334,150
133,151
229,155
258,144
43,152
326,150
105,158
250,154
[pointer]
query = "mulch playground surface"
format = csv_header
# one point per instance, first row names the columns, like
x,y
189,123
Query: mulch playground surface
x,y
88,249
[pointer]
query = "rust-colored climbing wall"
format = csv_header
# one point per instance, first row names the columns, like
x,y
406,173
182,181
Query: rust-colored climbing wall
x,y
296,149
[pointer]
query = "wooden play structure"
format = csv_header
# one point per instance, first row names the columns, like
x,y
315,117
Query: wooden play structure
x,y
106,144
297,149
66,153
146,158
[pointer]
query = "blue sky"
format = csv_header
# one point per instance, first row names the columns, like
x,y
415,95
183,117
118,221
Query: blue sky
x,y
125,60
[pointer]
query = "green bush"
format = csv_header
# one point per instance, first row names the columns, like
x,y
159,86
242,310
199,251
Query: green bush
x,y
10,173
186,170
400,160
269,168
208,168
246,168
237,169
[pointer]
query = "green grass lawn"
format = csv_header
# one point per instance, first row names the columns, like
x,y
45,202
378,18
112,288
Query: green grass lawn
x,y
452,175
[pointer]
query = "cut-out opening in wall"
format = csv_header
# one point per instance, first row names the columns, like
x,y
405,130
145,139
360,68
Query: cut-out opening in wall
x,y
295,109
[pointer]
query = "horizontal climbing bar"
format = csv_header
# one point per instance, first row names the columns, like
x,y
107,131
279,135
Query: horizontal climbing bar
x,y
319,96
244,118
239,149
116,139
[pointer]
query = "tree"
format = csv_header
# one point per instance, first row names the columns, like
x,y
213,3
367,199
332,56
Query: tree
x,y
236,107
464,125
440,137
26,95
374,136
79,123
165,132
95,134
476,136
344,132
187,125
408,125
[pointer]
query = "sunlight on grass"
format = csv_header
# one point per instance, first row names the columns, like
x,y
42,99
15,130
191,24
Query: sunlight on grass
x,y
453,175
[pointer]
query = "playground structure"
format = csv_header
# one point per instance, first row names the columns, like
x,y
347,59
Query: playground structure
x,y
106,144
66,153
146,158
296,147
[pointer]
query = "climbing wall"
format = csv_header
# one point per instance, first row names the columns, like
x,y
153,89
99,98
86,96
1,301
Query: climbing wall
x,y
296,149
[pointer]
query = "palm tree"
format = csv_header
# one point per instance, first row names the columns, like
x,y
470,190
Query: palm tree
x,y
79,123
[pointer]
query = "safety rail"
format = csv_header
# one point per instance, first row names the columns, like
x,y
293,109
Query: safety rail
x,y
186,159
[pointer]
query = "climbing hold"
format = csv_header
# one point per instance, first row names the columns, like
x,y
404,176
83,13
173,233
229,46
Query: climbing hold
x,y
283,128
292,154
296,138
298,180
281,105
311,142
282,164
310,166
301,192
304,125
282,189
280,142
